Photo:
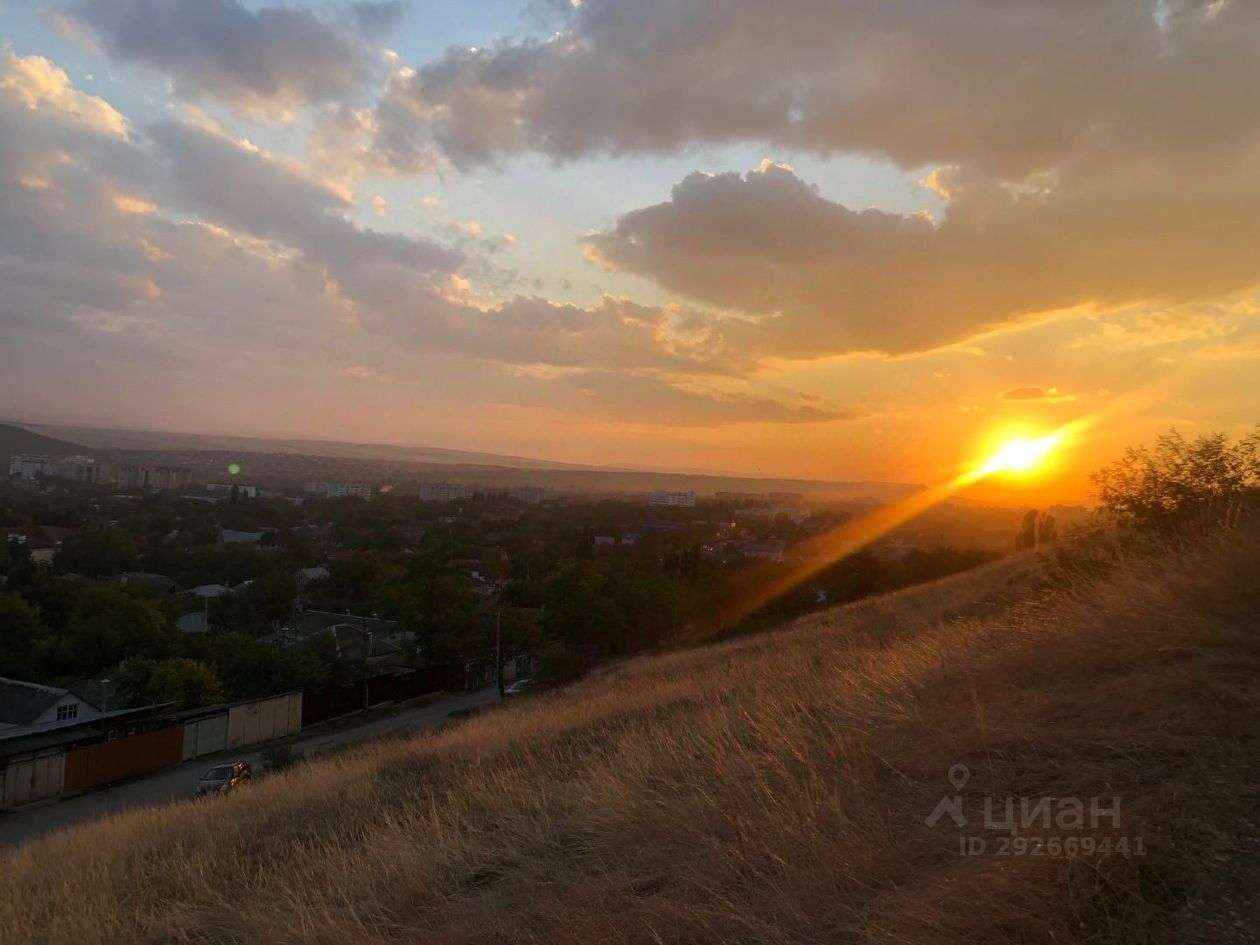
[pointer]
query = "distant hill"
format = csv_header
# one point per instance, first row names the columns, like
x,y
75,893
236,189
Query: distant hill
x,y
153,440
482,470
15,440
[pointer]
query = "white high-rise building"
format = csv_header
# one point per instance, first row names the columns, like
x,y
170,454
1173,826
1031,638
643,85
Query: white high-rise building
x,y
28,467
341,490
673,499
442,491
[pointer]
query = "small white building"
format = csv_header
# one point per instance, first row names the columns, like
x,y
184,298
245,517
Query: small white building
x,y
23,704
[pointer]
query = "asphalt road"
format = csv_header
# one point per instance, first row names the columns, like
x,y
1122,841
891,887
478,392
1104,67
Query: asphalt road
x,y
179,783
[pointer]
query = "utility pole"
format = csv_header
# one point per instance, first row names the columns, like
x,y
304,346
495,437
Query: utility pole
x,y
367,651
498,648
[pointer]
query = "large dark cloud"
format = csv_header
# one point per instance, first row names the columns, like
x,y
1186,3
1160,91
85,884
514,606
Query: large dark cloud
x,y
1008,87
375,17
824,279
265,59
272,199
1090,152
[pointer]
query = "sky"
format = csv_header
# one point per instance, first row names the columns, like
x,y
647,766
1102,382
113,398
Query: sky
x,y
846,241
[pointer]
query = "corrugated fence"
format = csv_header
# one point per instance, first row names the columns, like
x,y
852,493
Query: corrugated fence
x,y
122,758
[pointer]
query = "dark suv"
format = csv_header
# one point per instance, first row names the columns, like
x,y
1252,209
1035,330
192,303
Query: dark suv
x,y
223,778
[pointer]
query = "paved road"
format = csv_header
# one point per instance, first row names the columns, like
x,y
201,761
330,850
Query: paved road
x,y
179,783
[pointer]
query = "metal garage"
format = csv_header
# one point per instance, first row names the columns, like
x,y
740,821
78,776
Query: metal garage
x,y
37,776
253,722
205,736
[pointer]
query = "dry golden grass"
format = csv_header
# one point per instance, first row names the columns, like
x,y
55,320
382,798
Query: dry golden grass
x,y
772,789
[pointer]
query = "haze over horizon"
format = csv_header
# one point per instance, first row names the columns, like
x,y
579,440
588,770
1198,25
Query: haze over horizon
x,y
863,242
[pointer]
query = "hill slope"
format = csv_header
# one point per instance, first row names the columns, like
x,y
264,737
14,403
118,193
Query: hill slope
x,y
15,440
473,468
769,790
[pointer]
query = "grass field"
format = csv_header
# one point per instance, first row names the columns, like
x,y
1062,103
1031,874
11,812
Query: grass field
x,y
771,789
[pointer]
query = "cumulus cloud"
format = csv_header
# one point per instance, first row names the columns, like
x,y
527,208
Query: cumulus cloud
x,y
149,244
271,198
1007,88
1052,395
264,60
824,279
1090,154
1024,393
40,86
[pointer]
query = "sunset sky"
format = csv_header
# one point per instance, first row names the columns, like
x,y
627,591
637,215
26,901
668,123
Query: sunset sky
x,y
854,240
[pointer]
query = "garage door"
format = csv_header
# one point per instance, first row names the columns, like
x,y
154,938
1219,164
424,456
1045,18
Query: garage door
x,y
205,736
31,778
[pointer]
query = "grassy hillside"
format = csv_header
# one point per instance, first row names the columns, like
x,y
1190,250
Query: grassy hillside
x,y
769,790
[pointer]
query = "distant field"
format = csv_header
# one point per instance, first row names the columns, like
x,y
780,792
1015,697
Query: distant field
x,y
769,790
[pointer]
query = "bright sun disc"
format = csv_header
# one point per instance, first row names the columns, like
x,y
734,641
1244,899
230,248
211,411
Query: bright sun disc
x,y
1020,454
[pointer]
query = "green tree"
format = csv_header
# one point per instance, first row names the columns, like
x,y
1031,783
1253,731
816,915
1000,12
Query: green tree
x,y
22,638
1046,530
579,611
97,552
106,626
1027,537
1177,479
186,682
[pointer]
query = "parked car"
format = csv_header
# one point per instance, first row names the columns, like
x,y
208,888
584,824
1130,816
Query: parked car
x,y
223,778
519,688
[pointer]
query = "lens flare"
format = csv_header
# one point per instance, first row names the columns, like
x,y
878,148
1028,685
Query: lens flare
x,y
1021,454
1017,454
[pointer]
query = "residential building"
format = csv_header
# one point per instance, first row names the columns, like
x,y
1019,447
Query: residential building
x,y
232,536
225,489
786,498
769,550
194,622
24,704
80,469
358,639
739,497
171,477
306,576
685,500
27,466
341,490
531,495
42,541
441,491
209,591
133,476
158,585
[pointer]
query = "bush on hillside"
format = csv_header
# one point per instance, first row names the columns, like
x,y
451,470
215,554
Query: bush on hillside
x,y
1180,480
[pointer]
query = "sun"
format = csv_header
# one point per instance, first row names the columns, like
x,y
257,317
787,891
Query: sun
x,y
1020,454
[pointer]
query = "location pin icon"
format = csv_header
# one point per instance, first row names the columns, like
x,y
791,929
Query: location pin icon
x,y
959,775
